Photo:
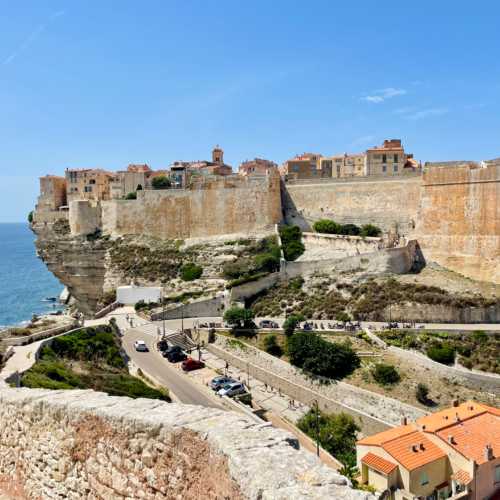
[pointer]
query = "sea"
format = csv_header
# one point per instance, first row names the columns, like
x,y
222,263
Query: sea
x,y
25,281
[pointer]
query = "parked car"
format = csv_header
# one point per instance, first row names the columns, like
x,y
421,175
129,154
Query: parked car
x,y
141,346
162,345
191,364
267,323
174,354
218,383
232,389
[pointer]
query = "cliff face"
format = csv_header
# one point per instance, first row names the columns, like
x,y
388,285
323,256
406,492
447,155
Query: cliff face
x,y
85,444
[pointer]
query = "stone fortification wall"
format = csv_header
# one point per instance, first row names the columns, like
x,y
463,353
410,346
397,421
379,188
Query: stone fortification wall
x,y
83,444
385,202
218,206
84,217
391,260
203,308
459,220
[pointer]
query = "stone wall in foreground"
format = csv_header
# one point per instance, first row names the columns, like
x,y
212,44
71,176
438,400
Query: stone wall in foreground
x,y
84,444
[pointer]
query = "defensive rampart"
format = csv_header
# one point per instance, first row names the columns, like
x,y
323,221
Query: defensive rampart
x,y
459,220
220,206
83,444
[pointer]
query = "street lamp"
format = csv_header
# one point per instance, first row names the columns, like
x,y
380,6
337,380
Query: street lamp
x,y
316,405
163,310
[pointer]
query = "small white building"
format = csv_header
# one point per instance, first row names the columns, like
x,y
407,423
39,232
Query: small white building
x,y
129,295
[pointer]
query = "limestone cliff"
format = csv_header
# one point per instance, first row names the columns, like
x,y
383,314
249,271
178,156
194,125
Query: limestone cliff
x,y
83,444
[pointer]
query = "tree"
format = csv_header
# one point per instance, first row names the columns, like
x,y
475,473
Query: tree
x,y
327,226
385,374
131,196
291,323
370,230
291,243
267,262
191,271
30,217
422,393
271,346
309,351
350,229
342,316
336,433
239,317
161,182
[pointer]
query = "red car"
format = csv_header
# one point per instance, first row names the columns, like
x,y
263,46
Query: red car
x,y
192,364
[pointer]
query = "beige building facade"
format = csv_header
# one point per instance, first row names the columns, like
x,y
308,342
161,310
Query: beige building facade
x,y
257,166
88,184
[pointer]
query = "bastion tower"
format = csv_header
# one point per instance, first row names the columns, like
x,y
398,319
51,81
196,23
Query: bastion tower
x,y
218,155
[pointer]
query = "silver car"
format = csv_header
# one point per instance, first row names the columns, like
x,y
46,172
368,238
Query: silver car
x,y
232,389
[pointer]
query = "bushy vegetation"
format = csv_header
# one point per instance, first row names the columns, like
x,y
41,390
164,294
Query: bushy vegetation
x,y
30,217
291,242
161,182
239,318
336,433
474,350
291,323
257,260
316,356
191,271
271,346
87,359
329,226
385,374
131,196
422,394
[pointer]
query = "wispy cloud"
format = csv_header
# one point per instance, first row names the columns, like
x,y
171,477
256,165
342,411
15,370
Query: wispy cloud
x,y
361,141
32,37
426,113
382,95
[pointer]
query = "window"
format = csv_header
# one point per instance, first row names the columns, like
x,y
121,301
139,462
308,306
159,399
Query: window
x,y
384,168
396,158
384,158
92,181
395,167
424,479
497,474
88,189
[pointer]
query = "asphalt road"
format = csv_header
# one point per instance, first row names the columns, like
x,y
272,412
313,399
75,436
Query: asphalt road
x,y
160,369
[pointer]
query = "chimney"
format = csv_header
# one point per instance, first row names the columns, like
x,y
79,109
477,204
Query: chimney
x,y
414,447
404,420
456,402
450,439
422,446
457,418
488,452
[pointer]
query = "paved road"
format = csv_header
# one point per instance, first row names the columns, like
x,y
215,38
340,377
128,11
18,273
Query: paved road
x,y
152,362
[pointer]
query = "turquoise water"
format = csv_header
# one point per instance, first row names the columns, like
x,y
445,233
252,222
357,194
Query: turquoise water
x,y
24,279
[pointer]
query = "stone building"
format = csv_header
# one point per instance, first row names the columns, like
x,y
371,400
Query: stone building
x,y
346,165
52,193
128,181
453,453
388,159
88,184
303,166
257,166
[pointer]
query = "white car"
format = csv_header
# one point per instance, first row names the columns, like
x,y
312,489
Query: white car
x,y
141,346
232,389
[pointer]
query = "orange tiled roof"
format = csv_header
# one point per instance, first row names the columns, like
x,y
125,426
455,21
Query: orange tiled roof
x,y
470,437
413,450
462,477
378,463
388,435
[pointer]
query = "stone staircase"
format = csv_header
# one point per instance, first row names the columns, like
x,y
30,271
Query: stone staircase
x,y
182,340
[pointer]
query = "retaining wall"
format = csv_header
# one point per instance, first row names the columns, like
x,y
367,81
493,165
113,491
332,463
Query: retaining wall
x,y
28,339
205,308
346,245
374,412
85,444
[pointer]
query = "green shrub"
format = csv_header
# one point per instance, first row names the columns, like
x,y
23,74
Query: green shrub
x,y
245,279
267,262
422,393
370,230
442,354
140,305
161,182
238,317
131,196
292,245
191,271
30,217
291,323
385,374
326,226
336,433
342,316
479,336
309,351
271,346
350,230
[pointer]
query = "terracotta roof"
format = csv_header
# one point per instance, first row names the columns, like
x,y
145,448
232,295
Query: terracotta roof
x,y
444,418
378,463
388,435
471,436
413,450
462,477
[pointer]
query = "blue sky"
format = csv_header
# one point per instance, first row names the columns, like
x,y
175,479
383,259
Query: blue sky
x,y
107,83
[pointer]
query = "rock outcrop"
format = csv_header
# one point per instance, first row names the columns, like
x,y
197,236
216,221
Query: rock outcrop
x,y
83,444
